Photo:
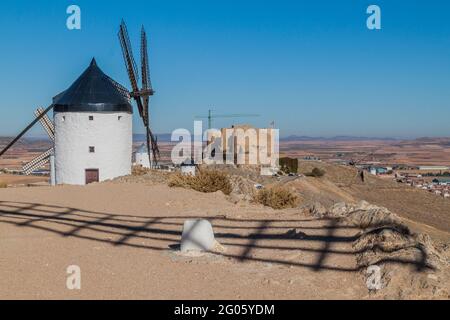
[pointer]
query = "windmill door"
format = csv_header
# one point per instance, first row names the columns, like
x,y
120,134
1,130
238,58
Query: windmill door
x,y
92,175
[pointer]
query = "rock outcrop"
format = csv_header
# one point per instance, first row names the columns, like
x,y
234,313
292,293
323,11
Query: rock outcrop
x,y
411,263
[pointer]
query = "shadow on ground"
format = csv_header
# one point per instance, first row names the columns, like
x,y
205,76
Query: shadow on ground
x,y
246,237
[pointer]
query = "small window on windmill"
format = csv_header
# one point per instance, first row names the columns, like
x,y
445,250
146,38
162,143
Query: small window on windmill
x,y
91,118
119,118
63,118
91,149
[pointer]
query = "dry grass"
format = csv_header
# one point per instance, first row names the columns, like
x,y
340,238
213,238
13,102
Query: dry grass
x,y
139,170
316,172
204,181
277,197
3,185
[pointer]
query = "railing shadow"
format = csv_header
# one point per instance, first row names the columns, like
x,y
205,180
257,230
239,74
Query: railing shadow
x,y
246,236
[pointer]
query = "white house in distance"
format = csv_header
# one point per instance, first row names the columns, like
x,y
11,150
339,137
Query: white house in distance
x,y
93,130
141,156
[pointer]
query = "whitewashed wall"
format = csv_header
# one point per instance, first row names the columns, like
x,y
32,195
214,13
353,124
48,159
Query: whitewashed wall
x,y
75,133
142,159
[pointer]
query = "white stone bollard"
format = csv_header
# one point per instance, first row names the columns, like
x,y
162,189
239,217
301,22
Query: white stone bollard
x,y
188,170
197,235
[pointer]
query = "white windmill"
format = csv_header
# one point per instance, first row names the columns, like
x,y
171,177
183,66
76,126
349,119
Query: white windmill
x,y
92,128
91,132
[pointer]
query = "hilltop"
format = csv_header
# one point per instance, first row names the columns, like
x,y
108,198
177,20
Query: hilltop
x,y
124,235
342,183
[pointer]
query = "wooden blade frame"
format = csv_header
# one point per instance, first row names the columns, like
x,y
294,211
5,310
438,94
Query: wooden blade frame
x,y
46,123
147,91
131,66
25,130
142,97
37,162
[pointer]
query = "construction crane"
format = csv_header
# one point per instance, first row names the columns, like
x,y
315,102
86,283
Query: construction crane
x,y
210,116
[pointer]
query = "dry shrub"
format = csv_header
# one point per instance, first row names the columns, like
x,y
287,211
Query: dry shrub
x,y
277,197
316,172
139,170
204,181
3,185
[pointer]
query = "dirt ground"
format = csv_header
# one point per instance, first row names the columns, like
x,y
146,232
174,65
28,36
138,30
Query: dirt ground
x,y
12,179
124,237
341,183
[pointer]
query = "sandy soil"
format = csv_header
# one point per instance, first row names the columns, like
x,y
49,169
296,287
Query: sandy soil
x,y
341,183
124,237
12,180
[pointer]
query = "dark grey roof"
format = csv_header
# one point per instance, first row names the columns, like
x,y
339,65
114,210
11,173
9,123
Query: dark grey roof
x,y
93,91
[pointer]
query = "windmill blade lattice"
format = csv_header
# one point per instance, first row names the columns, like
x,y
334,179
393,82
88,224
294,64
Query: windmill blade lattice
x,y
142,96
37,162
43,158
46,123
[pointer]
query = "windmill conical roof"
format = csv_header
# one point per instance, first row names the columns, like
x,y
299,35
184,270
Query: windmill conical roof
x,y
93,91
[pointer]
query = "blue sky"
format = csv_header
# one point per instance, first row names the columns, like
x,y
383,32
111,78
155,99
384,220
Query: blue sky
x,y
311,66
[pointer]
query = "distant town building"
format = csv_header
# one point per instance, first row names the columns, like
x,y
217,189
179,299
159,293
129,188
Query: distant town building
x,y
243,144
443,181
378,170
141,156
433,168
289,165
311,158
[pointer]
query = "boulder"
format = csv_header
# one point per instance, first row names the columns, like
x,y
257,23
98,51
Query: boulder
x,y
340,209
318,210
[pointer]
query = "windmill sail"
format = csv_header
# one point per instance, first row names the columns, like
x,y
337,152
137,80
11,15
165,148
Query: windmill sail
x,y
142,97
146,83
123,91
43,158
130,65
37,162
148,90
25,130
46,123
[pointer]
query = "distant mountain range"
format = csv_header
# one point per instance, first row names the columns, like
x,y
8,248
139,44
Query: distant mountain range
x,y
166,137
141,137
336,138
